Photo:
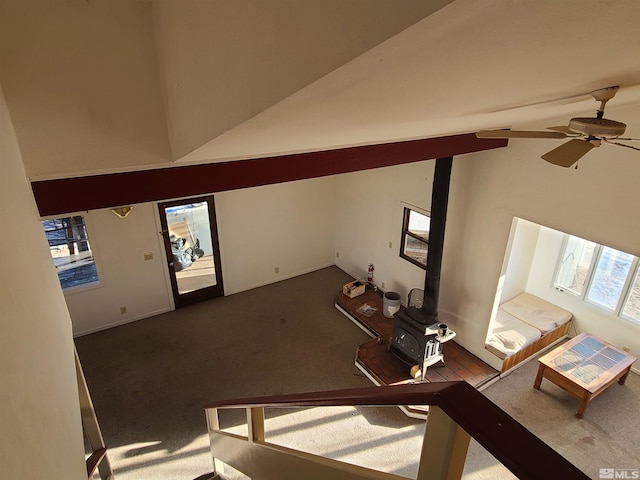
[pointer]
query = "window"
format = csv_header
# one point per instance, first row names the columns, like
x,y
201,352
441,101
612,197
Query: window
x,y
609,276
415,237
600,275
70,250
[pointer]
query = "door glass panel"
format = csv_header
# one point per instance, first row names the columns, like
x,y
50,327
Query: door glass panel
x,y
191,246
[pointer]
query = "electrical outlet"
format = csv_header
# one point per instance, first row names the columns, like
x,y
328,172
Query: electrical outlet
x,y
337,254
382,285
277,269
148,256
626,349
390,244
123,310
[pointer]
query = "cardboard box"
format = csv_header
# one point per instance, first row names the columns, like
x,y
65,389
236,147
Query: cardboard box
x,y
353,289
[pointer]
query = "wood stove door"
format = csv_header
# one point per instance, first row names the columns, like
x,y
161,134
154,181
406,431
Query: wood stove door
x,y
191,244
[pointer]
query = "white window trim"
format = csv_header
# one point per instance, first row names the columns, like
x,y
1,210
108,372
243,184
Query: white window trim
x,y
634,271
426,213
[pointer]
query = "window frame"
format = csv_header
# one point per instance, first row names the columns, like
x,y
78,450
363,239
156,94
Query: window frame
x,y
406,232
634,272
588,274
625,291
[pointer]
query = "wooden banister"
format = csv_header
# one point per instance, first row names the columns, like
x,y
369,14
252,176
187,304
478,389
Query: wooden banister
x,y
519,450
94,460
98,459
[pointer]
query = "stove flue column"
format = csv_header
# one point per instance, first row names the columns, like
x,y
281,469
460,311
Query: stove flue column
x,y
439,202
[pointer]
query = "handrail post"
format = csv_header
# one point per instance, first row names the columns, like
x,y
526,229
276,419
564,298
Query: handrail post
x,y
91,427
255,424
213,424
444,448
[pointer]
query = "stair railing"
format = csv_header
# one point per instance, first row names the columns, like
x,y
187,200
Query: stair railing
x,y
98,459
457,412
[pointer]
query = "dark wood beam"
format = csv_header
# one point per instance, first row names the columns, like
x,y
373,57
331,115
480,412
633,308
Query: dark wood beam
x,y
59,196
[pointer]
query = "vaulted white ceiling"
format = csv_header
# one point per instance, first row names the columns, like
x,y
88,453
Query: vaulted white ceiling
x,y
471,65
115,85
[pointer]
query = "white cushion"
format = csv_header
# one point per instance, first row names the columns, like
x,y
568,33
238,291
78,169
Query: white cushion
x,y
510,335
536,312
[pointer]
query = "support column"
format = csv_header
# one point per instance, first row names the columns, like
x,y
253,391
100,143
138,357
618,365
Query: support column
x,y
444,448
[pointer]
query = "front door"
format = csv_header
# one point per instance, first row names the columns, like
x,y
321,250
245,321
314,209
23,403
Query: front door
x,y
193,256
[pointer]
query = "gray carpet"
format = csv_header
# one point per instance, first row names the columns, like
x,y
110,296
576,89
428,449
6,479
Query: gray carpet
x,y
150,379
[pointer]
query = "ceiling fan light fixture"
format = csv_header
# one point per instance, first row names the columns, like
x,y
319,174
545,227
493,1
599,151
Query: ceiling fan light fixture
x,y
597,127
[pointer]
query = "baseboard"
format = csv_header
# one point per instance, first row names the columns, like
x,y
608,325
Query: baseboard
x,y
121,322
279,279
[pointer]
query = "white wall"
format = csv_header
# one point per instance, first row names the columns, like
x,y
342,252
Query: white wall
x,y
39,410
290,226
368,217
126,279
518,258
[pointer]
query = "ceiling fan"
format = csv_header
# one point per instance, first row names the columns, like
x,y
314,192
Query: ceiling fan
x,y
585,133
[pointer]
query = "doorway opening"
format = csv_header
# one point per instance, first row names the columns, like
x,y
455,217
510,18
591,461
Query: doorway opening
x,y
190,237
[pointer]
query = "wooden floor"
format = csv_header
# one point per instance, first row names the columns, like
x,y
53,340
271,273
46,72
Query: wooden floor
x,y
382,365
200,274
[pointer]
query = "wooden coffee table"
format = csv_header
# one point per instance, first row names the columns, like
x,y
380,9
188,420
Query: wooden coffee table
x,y
584,367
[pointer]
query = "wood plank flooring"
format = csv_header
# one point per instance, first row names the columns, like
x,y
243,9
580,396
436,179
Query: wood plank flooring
x,y
384,368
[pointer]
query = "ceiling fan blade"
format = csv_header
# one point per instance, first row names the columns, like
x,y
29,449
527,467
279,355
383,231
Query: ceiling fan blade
x,y
563,129
568,153
518,134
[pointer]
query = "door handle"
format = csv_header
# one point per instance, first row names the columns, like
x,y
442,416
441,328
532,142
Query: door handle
x,y
171,264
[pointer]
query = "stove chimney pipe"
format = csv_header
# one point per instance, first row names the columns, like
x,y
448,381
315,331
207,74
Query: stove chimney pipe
x,y
439,202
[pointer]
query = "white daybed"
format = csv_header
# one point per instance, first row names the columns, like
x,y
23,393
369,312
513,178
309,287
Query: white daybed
x,y
525,325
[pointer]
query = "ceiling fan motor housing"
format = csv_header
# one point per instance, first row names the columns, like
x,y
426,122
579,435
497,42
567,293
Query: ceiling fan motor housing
x,y
597,127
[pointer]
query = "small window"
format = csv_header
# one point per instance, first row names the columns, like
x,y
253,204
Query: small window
x,y
415,237
70,250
